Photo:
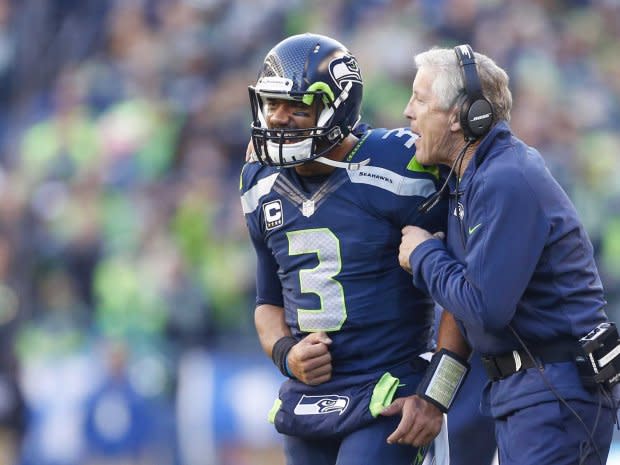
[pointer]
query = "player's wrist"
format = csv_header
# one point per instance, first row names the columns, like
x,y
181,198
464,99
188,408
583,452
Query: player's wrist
x,y
279,354
443,379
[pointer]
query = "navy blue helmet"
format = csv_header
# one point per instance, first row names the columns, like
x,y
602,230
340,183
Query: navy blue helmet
x,y
305,67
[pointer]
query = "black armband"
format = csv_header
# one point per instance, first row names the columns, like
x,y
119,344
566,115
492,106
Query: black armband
x,y
443,378
280,351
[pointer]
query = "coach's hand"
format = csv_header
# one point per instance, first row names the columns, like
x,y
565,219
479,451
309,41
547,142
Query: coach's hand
x,y
310,361
250,156
413,236
421,421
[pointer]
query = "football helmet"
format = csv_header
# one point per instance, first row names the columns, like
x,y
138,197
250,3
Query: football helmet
x,y
306,67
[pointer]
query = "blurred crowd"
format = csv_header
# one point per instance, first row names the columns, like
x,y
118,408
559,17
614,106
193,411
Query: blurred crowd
x,y
123,127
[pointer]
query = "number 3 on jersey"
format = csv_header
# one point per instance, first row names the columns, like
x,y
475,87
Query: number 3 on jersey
x,y
320,279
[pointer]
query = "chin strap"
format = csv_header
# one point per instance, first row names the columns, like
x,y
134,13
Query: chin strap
x,y
341,164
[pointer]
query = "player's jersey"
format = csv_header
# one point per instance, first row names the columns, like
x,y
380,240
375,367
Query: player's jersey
x,y
328,251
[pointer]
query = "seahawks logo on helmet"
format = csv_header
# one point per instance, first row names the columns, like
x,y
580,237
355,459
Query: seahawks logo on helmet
x,y
320,405
345,69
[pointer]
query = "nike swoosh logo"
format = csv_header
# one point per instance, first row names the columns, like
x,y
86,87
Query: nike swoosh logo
x,y
471,230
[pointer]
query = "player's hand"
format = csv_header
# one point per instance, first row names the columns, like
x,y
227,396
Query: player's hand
x,y
421,421
413,237
310,361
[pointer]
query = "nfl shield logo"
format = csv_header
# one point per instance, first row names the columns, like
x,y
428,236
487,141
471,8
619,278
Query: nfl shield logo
x,y
307,208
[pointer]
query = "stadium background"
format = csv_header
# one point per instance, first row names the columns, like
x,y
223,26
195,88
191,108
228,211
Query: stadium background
x,y
126,277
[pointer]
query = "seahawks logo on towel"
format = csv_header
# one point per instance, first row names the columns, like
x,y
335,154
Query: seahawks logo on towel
x,y
321,405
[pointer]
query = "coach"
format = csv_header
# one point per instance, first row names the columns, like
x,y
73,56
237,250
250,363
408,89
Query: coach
x,y
517,270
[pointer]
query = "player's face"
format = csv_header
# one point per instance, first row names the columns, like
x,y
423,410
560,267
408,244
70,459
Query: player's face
x,y
427,121
289,114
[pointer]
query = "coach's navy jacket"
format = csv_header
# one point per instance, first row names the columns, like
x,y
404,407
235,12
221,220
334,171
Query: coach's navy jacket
x,y
516,254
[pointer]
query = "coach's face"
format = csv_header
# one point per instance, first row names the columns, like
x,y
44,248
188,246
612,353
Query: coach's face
x,y
435,126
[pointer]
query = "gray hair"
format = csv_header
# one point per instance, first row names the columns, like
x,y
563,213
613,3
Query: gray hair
x,y
449,82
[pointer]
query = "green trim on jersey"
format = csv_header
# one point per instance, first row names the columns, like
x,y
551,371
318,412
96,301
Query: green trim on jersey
x,y
271,416
383,394
416,166
241,176
421,455
358,146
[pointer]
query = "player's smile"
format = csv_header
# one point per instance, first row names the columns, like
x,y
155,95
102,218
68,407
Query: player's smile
x,y
292,136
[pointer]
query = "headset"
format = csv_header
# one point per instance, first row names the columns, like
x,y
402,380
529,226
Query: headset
x,y
476,113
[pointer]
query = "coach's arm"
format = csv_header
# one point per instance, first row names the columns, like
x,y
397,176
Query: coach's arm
x,y
421,420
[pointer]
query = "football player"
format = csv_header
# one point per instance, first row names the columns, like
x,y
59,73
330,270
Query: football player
x,y
335,311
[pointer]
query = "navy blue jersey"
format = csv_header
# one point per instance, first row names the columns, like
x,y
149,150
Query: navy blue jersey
x,y
328,251
516,254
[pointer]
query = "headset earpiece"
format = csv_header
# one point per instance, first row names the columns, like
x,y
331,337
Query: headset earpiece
x,y
476,113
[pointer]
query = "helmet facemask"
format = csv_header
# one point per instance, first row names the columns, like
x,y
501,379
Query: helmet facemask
x,y
292,146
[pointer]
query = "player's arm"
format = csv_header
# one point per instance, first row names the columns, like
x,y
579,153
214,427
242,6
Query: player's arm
x,y
307,360
449,336
270,326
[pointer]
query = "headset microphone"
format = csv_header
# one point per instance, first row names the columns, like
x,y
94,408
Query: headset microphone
x,y
430,203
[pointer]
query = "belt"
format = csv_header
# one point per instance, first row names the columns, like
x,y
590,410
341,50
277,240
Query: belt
x,y
507,364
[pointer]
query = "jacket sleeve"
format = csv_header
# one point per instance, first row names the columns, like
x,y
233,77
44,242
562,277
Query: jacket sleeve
x,y
506,233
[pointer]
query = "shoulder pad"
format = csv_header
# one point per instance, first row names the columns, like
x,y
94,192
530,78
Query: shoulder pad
x,y
251,173
394,149
256,182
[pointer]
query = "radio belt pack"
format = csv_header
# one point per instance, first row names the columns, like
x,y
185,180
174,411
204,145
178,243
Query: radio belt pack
x,y
599,360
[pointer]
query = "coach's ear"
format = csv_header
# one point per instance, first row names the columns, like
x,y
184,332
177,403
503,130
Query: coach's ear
x,y
454,123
